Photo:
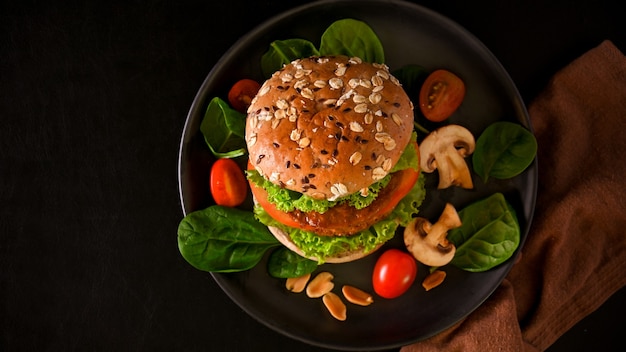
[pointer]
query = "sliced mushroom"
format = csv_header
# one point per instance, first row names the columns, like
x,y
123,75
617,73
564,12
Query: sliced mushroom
x,y
427,242
445,149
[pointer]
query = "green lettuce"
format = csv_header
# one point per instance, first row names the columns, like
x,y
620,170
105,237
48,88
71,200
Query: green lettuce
x,y
322,247
287,200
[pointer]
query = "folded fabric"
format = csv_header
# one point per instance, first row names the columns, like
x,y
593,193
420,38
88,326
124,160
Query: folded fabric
x,y
574,257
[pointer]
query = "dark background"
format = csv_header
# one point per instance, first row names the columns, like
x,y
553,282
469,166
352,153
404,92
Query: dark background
x,y
93,99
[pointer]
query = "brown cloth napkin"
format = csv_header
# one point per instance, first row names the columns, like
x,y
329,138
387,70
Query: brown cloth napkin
x,y
575,254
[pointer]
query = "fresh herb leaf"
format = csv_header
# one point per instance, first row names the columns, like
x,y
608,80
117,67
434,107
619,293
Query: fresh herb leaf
x,y
223,129
352,38
488,236
282,52
412,77
504,150
284,263
223,239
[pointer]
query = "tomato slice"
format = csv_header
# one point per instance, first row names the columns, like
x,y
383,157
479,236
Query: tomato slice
x,y
241,94
441,95
394,273
260,196
228,183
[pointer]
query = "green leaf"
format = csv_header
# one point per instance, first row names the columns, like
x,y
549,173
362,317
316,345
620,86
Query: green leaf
x,y
488,236
284,263
409,206
504,150
322,247
412,78
352,38
282,52
223,129
223,239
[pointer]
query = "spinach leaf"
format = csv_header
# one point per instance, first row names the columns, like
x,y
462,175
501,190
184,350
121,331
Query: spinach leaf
x,y
489,235
282,52
223,129
351,37
503,150
412,77
223,239
284,263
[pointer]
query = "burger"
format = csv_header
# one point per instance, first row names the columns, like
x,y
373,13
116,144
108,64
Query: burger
x,y
333,159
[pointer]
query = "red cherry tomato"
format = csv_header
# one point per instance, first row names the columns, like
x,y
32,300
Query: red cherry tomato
x,y
440,95
228,183
394,273
241,94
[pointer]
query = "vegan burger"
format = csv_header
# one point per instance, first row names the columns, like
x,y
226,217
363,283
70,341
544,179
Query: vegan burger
x,y
333,159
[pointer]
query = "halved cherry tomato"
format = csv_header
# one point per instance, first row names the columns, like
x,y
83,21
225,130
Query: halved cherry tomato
x,y
394,273
229,186
440,95
241,94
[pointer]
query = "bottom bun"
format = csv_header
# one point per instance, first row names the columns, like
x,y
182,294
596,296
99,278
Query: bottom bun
x,y
347,256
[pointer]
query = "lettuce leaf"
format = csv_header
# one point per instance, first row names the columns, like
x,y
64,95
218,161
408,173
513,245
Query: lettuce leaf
x,y
287,200
409,206
409,157
322,247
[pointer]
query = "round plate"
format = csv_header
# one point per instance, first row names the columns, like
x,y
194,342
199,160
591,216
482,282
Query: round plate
x,y
410,34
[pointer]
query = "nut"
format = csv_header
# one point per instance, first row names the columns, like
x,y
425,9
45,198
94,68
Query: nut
x,y
335,306
433,279
357,296
320,285
297,284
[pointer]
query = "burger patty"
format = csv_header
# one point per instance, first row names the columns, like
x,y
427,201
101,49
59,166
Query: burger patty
x,y
345,220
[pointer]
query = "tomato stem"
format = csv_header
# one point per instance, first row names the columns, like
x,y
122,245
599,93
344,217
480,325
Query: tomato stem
x,y
420,127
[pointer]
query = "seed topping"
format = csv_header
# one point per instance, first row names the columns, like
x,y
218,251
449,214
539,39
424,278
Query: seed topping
x,y
338,190
335,83
355,126
355,158
361,108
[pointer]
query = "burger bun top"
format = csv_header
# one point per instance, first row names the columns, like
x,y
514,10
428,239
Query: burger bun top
x,y
328,126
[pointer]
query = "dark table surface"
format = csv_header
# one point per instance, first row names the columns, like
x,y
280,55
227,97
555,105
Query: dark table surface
x,y
94,96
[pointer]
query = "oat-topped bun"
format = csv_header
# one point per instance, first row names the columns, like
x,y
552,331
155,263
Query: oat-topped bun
x,y
328,126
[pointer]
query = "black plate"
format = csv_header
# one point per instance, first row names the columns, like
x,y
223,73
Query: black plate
x,y
410,35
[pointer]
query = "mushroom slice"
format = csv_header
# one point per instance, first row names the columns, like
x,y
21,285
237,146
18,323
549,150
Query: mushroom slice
x,y
445,149
427,242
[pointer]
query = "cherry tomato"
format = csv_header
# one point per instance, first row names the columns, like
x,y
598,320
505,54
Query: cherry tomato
x,y
229,186
394,273
440,95
241,94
